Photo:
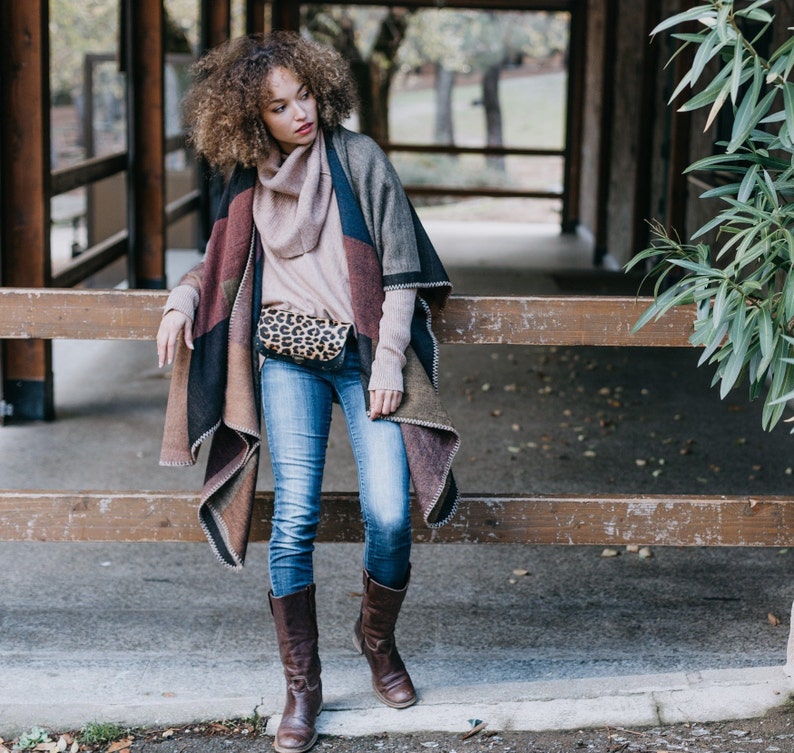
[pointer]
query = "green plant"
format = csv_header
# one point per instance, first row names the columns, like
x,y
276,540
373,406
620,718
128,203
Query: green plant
x,y
742,285
30,740
101,733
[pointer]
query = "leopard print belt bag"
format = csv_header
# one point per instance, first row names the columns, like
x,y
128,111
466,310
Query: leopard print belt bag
x,y
305,340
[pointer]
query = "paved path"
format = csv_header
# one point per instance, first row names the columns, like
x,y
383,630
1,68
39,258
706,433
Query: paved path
x,y
149,634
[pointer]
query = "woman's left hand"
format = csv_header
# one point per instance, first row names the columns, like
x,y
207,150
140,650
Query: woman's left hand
x,y
383,402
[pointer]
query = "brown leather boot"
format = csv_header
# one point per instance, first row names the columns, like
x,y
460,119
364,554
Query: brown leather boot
x,y
374,637
296,627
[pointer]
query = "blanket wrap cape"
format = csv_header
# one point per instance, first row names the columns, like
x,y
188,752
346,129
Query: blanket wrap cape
x,y
214,387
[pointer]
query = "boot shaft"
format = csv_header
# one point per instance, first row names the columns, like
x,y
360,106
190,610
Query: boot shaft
x,y
295,619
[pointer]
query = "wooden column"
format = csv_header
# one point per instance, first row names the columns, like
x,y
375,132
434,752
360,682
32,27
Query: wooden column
x,y
27,381
645,144
605,131
215,23
285,14
254,16
146,143
577,56
680,136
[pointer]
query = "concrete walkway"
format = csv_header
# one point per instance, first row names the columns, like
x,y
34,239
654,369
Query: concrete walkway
x,y
522,637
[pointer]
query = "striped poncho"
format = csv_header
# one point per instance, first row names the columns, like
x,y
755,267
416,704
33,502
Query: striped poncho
x,y
214,387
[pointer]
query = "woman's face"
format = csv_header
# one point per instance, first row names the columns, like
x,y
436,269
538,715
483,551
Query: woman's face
x,y
290,114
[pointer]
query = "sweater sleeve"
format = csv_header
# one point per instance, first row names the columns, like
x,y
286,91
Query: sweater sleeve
x,y
393,338
183,298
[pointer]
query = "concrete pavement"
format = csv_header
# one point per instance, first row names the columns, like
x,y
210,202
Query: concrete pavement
x,y
522,637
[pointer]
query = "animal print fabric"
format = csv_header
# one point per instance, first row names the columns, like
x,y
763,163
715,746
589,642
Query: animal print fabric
x,y
302,339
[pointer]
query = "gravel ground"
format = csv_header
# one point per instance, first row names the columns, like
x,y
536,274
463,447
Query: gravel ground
x,y
775,732
771,734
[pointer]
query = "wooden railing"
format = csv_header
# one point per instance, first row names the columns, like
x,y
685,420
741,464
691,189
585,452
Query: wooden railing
x,y
679,520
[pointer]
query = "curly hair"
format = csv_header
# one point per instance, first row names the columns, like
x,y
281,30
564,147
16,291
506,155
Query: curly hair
x,y
222,108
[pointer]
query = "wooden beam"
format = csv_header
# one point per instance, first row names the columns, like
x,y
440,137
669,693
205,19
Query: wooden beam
x,y
534,320
27,380
613,520
146,144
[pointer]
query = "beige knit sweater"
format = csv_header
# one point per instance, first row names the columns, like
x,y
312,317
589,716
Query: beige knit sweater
x,y
297,217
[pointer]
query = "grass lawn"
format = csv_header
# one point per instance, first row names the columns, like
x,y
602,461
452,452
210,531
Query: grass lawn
x,y
533,115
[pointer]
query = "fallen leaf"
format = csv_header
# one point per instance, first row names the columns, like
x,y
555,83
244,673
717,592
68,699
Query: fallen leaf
x,y
167,733
474,730
519,571
773,619
124,744
169,694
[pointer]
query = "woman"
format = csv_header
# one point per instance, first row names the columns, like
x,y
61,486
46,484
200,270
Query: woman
x,y
313,223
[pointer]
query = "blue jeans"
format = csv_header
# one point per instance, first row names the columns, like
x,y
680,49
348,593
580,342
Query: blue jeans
x,y
296,404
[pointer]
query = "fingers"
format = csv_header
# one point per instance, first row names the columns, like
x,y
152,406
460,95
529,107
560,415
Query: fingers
x,y
172,325
383,402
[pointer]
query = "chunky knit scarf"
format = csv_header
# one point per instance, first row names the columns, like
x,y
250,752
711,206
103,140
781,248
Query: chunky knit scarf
x,y
214,387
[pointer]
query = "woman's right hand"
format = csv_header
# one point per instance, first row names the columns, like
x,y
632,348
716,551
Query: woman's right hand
x,y
172,325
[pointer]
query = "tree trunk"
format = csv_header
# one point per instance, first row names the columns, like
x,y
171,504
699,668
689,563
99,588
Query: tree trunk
x,y
493,114
381,70
445,81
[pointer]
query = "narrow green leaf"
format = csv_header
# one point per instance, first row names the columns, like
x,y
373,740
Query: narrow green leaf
x,y
733,368
716,339
721,25
746,188
736,70
741,130
788,105
767,340
720,310
701,11
707,50
746,107
756,15
682,84
713,91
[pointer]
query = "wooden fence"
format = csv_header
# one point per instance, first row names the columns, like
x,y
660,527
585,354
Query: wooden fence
x,y
616,519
